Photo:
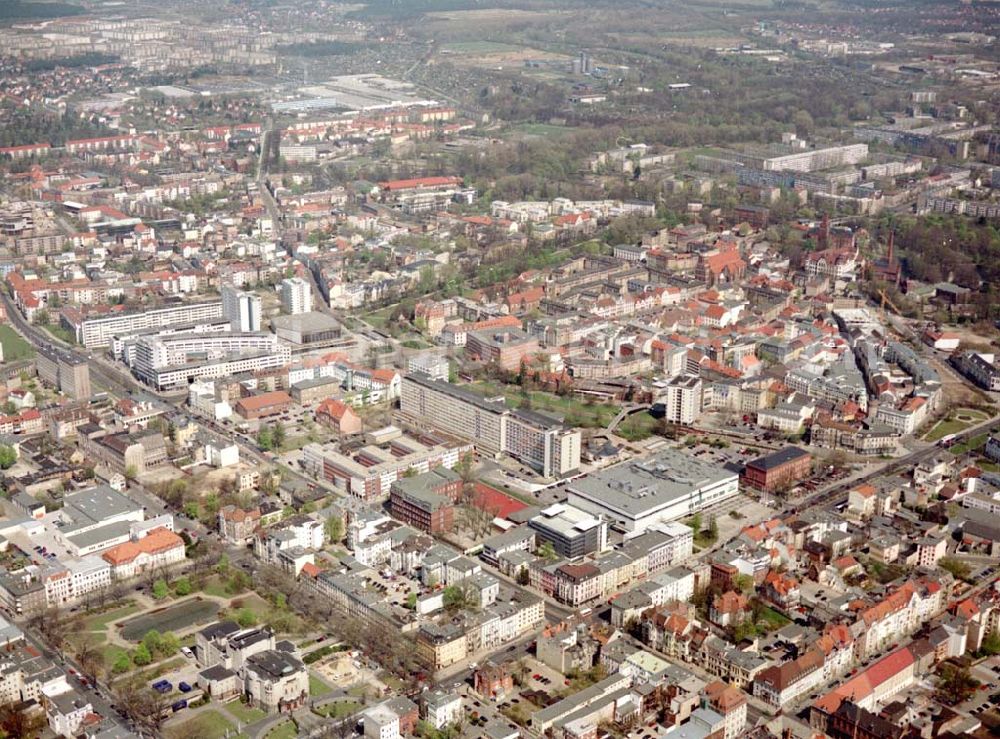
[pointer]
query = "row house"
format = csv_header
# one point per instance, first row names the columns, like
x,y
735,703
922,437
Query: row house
x,y
900,613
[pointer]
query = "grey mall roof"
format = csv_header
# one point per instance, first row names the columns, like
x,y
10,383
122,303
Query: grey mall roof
x,y
636,488
89,507
310,321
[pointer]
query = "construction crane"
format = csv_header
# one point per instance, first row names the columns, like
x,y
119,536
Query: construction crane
x,y
887,299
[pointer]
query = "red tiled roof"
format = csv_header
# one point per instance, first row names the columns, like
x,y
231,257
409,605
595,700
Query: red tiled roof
x,y
156,541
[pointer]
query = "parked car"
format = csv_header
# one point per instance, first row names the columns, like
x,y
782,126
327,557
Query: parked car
x,y
163,686
179,705
184,687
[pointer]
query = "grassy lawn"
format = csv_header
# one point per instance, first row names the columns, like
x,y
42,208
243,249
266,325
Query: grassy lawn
x,y
479,47
987,466
943,428
976,442
284,730
217,587
111,652
317,687
391,680
574,411
293,443
378,318
246,714
773,619
542,129
14,345
340,709
61,333
100,621
637,427
206,725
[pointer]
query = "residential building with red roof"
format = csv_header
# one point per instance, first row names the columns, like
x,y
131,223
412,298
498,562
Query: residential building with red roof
x,y
338,415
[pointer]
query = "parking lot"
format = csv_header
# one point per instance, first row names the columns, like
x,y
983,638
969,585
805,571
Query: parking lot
x,y
396,588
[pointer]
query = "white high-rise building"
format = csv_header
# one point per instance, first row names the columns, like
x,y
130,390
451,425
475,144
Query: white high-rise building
x,y
682,400
243,309
296,296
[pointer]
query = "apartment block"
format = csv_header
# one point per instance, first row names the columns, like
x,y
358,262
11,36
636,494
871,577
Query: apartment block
x,y
99,330
538,440
243,309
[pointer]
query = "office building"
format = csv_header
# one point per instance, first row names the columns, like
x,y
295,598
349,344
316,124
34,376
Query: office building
x,y
538,440
435,366
637,495
243,309
426,501
572,532
296,296
65,371
779,470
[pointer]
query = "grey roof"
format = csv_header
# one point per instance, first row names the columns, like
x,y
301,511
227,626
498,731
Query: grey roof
x,y
217,672
101,534
310,321
633,489
89,507
274,664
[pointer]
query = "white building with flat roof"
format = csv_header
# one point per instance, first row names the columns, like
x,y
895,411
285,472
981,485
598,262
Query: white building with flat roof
x,y
637,495
296,296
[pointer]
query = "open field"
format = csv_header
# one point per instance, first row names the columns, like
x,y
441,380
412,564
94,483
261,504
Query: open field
x,y
956,421
206,725
14,346
100,621
246,714
478,47
574,411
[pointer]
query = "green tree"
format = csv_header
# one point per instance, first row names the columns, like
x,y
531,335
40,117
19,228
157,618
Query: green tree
x,y
695,523
141,656
131,472
411,601
955,684
7,456
265,439
245,617
334,529
182,586
713,528
169,644
152,641
458,597
547,552
192,509
160,589
278,435
956,567
122,663
991,644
